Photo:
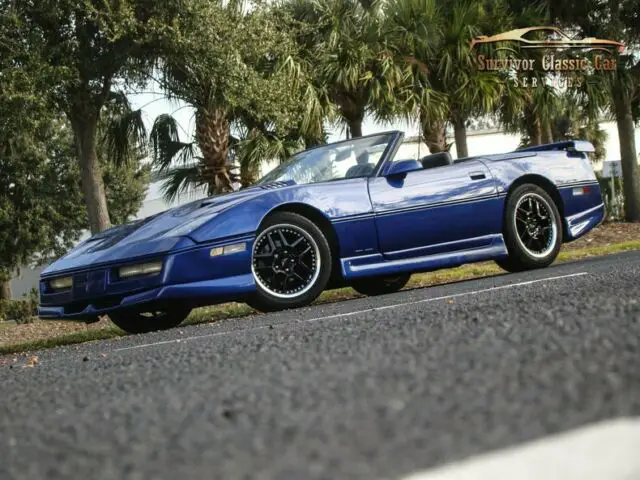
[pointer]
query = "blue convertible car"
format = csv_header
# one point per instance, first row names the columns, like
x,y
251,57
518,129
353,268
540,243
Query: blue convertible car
x,y
356,212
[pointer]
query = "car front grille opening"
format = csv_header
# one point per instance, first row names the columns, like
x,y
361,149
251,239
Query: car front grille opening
x,y
107,303
78,307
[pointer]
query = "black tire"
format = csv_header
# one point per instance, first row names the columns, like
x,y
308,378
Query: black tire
x,y
287,277
143,322
533,239
380,285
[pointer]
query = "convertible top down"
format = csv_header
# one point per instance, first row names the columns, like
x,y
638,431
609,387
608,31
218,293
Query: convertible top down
x,y
351,213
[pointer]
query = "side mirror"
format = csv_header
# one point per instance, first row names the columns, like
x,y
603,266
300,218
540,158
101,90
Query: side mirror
x,y
401,168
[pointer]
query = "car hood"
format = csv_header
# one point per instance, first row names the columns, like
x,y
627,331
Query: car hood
x,y
150,236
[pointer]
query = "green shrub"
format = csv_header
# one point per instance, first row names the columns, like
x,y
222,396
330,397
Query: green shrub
x,y
21,311
613,203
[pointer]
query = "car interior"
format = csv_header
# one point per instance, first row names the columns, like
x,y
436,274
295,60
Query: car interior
x,y
435,160
364,168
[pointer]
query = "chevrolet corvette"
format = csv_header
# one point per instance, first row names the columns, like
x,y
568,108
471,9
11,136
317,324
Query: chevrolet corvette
x,y
361,212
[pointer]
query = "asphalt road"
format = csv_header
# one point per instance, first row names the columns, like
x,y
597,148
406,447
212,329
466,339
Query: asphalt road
x,y
369,388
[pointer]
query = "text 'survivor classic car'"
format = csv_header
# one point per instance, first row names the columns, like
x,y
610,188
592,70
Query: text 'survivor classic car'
x,y
349,213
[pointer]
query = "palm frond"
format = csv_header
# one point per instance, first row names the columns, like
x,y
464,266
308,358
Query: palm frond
x,y
180,180
166,146
124,134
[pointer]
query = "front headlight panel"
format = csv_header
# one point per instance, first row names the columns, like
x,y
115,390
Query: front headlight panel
x,y
60,284
140,270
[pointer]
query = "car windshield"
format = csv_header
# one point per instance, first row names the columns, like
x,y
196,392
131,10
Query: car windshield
x,y
336,161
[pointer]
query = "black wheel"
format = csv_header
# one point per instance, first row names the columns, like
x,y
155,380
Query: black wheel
x,y
143,322
290,262
533,230
380,285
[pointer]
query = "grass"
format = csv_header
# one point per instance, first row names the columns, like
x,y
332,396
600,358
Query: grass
x,y
235,310
70,339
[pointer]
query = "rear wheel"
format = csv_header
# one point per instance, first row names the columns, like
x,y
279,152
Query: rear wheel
x,y
291,263
380,285
143,322
533,230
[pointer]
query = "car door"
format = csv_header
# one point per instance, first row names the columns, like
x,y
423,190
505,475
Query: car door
x,y
435,210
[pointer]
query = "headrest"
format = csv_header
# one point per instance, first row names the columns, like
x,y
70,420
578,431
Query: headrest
x,y
363,158
441,159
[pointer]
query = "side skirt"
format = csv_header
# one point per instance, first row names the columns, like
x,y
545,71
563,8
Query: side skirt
x,y
377,265
581,223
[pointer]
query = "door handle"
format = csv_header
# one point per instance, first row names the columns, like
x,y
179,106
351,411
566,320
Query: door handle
x,y
477,175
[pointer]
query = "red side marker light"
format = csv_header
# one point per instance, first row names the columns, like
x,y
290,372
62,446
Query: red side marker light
x,y
581,191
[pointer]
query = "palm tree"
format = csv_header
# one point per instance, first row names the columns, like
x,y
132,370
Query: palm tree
x,y
530,111
433,39
579,111
470,92
176,162
257,146
226,64
616,19
415,30
353,64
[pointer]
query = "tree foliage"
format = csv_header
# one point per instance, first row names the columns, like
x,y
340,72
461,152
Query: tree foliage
x,y
42,209
79,52
617,20
353,67
229,64
433,39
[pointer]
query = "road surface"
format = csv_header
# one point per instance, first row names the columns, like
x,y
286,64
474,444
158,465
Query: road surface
x,y
370,388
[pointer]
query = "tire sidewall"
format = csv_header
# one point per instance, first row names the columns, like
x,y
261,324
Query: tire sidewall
x,y
134,322
517,252
381,285
264,300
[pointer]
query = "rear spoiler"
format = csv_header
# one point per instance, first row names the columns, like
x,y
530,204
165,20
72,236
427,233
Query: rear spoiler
x,y
569,146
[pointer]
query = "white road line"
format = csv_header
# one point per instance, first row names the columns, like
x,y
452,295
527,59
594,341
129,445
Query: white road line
x,y
358,312
446,297
605,451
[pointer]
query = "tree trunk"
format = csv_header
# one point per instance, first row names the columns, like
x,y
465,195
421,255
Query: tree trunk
x,y
433,133
355,126
212,135
352,106
629,161
546,135
248,176
311,140
85,130
5,290
460,133
533,127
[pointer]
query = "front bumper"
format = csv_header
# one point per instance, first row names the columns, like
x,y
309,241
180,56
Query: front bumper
x,y
193,277
194,294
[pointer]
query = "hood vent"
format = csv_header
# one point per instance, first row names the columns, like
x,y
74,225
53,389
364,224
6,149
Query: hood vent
x,y
113,235
276,185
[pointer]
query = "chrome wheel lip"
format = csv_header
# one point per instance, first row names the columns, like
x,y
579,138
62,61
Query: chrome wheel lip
x,y
551,244
316,251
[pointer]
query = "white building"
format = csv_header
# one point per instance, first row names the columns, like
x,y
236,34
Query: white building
x,y
479,143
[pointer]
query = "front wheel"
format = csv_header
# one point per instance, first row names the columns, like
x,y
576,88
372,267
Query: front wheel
x,y
533,230
291,263
380,285
143,322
